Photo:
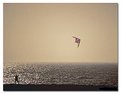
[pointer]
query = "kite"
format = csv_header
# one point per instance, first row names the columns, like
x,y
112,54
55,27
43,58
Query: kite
x,y
77,40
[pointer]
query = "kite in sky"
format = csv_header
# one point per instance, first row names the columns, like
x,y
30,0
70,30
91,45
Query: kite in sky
x,y
77,40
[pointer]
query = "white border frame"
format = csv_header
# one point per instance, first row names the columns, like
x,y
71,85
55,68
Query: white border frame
x,y
56,1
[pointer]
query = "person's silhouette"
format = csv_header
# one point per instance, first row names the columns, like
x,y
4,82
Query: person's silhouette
x,y
16,79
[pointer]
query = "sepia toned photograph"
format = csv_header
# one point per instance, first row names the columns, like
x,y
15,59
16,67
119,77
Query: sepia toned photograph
x,y
60,47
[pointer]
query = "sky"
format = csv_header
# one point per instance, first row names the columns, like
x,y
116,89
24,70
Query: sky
x,y
43,33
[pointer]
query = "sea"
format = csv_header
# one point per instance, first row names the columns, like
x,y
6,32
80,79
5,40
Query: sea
x,y
58,73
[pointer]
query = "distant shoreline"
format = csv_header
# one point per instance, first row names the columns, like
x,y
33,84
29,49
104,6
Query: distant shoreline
x,y
59,63
56,87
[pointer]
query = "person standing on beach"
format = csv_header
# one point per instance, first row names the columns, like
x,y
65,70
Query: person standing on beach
x,y
16,79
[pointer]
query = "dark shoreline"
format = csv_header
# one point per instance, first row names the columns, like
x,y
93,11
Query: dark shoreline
x,y
55,87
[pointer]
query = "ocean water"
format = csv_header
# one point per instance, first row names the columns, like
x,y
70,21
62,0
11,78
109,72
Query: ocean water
x,y
79,74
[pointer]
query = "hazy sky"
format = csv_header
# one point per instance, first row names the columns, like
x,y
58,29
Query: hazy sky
x,y
43,32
